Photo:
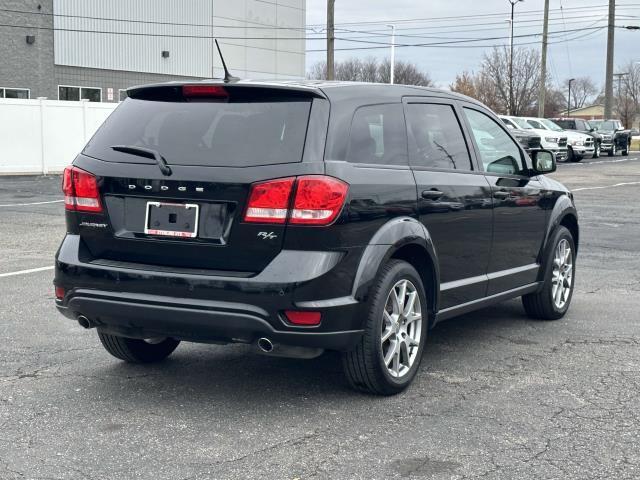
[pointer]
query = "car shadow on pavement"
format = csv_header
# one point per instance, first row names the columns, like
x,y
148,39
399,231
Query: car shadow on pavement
x,y
208,372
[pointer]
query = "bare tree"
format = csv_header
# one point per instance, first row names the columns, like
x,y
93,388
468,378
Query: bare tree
x,y
583,92
491,84
371,70
629,96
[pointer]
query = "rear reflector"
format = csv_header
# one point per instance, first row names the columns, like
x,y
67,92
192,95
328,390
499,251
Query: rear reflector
x,y
205,91
269,201
318,200
303,318
59,293
81,192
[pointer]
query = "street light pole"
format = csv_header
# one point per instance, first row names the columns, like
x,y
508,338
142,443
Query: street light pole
x,y
513,6
393,52
571,80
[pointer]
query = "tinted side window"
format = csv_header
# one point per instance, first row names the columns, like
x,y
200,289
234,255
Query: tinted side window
x,y
535,124
378,135
439,142
499,153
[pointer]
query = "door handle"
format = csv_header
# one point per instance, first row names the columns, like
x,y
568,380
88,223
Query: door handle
x,y
501,194
432,194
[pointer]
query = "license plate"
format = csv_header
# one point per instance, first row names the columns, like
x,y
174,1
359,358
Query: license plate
x,y
171,219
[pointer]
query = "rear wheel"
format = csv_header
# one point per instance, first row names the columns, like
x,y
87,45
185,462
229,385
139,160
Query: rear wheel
x,y
133,350
386,359
625,152
553,300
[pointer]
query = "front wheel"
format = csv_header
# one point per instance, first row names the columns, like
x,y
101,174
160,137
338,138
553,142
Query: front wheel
x,y
596,151
133,350
571,157
387,358
613,151
554,298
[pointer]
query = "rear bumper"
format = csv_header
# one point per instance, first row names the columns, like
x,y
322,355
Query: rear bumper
x,y
142,303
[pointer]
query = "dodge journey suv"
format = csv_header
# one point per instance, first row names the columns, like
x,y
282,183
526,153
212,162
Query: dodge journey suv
x,y
304,217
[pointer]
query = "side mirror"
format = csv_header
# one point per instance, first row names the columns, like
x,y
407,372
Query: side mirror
x,y
592,129
619,129
544,161
510,127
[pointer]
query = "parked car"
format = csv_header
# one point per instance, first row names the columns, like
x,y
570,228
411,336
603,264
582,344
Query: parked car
x,y
529,140
296,217
552,142
581,126
614,136
578,144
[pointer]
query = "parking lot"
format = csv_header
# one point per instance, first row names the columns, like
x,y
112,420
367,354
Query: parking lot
x,y
498,396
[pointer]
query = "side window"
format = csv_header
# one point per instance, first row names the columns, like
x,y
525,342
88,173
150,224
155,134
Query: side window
x,y
439,142
499,153
535,124
378,135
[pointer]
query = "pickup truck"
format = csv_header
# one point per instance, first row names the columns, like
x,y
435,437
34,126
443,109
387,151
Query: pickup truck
x,y
614,136
581,126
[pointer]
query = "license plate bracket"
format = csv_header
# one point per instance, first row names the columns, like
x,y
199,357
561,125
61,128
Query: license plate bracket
x,y
177,220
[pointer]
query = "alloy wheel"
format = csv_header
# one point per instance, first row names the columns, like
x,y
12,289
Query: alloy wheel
x,y
562,277
401,328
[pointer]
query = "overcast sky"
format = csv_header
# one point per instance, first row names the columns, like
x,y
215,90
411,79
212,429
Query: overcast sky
x,y
585,55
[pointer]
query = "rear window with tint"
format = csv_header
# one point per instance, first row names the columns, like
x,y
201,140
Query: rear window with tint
x,y
235,134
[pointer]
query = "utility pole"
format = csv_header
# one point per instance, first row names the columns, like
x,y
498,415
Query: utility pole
x,y
513,6
608,89
543,71
393,53
571,80
330,39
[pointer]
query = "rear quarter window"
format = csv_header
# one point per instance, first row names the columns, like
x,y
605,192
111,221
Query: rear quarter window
x,y
378,136
234,134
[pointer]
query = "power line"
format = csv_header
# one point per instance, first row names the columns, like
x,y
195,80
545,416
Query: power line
x,y
459,17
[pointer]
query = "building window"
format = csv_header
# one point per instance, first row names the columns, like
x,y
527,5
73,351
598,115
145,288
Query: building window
x,y
123,95
79,93
15,93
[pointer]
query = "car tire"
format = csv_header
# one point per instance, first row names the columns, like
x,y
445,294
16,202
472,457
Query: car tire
x,y
134,350
625,152
596,151
373,365
613,151
551,303
570,155
576,158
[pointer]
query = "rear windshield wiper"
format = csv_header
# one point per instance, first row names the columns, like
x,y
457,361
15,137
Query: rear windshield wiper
x,y
147,153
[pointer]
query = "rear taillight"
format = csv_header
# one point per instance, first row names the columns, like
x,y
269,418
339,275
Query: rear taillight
x,y
269,201
318,200
59,293
80,190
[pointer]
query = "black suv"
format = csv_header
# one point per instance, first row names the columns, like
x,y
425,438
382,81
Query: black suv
x,y
303,217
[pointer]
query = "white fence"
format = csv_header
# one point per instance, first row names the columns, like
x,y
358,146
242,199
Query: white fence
x,y
44,136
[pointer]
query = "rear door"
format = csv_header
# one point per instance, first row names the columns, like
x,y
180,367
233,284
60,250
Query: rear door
x,y
454,198
518,202
216,148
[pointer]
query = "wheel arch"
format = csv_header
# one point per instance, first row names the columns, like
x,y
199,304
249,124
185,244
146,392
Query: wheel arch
x,y
403,238
564,214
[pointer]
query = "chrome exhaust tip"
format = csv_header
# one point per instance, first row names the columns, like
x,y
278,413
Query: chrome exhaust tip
x,y
84,322
265,345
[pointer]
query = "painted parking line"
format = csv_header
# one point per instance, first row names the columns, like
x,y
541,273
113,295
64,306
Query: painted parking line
x,y
25,272
599,162
623,184
29,204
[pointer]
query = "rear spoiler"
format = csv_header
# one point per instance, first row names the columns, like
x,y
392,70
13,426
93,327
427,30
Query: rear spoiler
x,y
237,91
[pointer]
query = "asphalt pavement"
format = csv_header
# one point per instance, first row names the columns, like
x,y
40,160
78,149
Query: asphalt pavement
x,y
498,396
